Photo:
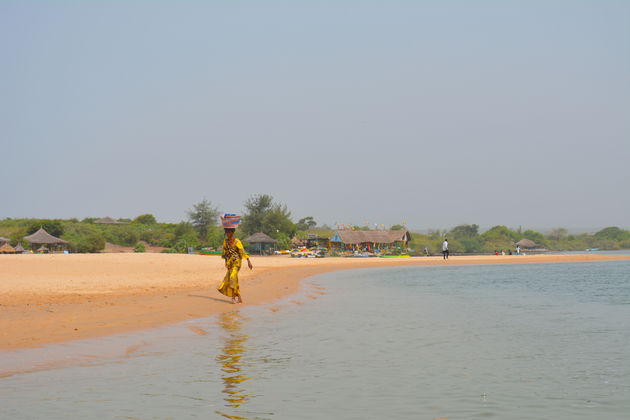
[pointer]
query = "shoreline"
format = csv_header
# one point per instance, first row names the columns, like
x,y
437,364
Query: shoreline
x,y
55,298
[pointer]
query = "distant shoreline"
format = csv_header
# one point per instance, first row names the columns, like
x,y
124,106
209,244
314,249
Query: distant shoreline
x,y
55,298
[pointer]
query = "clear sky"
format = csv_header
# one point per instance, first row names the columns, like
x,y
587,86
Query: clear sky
x,y
435,113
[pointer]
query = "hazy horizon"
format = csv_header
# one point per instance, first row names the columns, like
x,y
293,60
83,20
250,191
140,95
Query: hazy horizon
x,y
431,113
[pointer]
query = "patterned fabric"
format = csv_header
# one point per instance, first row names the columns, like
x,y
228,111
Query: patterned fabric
x,y
233,256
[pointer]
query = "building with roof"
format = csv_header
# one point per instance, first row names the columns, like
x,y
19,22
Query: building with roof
x,y
46,240
261,242
526,243
369,240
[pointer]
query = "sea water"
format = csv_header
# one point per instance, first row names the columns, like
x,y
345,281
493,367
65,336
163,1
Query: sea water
x,y
530,341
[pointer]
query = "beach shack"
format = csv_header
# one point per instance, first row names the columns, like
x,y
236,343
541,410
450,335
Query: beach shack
x,y
369,240
46,241
3,240
261,243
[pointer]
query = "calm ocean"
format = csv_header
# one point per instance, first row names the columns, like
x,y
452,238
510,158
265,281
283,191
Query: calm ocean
x,y
531,341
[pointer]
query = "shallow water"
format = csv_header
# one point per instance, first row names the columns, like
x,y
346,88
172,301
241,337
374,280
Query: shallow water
x,y
544,341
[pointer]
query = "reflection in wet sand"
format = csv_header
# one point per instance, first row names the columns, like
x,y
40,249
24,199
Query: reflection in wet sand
x,y
232,364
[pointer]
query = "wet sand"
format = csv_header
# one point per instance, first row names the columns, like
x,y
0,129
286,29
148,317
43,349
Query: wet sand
x,y
54,298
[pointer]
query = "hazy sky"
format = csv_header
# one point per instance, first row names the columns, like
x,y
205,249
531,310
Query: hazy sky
x,y
435,113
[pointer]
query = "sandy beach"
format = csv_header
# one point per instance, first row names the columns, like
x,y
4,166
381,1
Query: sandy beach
x,y
53,298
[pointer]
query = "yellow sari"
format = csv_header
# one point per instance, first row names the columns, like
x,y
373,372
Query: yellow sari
x,y
233,257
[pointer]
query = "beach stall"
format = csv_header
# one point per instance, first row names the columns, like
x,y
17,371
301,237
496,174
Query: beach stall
x,y
46,240
369,240
261,243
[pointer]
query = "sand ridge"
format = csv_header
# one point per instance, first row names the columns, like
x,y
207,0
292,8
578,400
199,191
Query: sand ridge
x,y
53,298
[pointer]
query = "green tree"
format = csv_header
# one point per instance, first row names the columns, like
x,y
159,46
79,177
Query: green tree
x,y
558,233
145,219
537,237
203,217
256,208
306,223
263,215
93,242
397,227
54,227
614,233
499,233
464,231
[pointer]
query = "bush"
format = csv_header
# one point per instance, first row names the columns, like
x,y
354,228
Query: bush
x,y
140,248
169,251
145,219
90,243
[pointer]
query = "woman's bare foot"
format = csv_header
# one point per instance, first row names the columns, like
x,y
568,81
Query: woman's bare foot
x,y
233,300
239,299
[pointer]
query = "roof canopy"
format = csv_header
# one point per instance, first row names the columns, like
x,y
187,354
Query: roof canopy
x,y
3,239
7,249
370,236
43,237
260,238
526,243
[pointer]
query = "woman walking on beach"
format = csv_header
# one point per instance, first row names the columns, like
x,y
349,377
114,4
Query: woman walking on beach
x,y
233,254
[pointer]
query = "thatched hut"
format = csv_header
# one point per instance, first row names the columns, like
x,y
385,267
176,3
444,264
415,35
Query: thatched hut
x,y
263,242
4,240
370,240
45,239
7,249
19,249
526,243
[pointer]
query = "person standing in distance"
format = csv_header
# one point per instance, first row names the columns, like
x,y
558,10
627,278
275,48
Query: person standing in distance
x,y
445,248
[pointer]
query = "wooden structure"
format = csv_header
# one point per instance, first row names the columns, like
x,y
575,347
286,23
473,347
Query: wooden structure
x,y
264,242
46,240
369,240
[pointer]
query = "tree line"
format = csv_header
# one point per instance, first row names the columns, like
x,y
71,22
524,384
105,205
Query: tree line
x,y
263,214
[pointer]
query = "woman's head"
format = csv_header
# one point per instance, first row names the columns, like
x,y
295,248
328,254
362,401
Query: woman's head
x,y
229,232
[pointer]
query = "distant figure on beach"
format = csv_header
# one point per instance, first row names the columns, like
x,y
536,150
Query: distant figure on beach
x,y
426,251
233,254
518,250
445,248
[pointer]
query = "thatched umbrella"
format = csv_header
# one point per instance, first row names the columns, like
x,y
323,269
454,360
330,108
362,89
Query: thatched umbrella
x,y
19,248
261,239
7,249
4,240
41,237
526,243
